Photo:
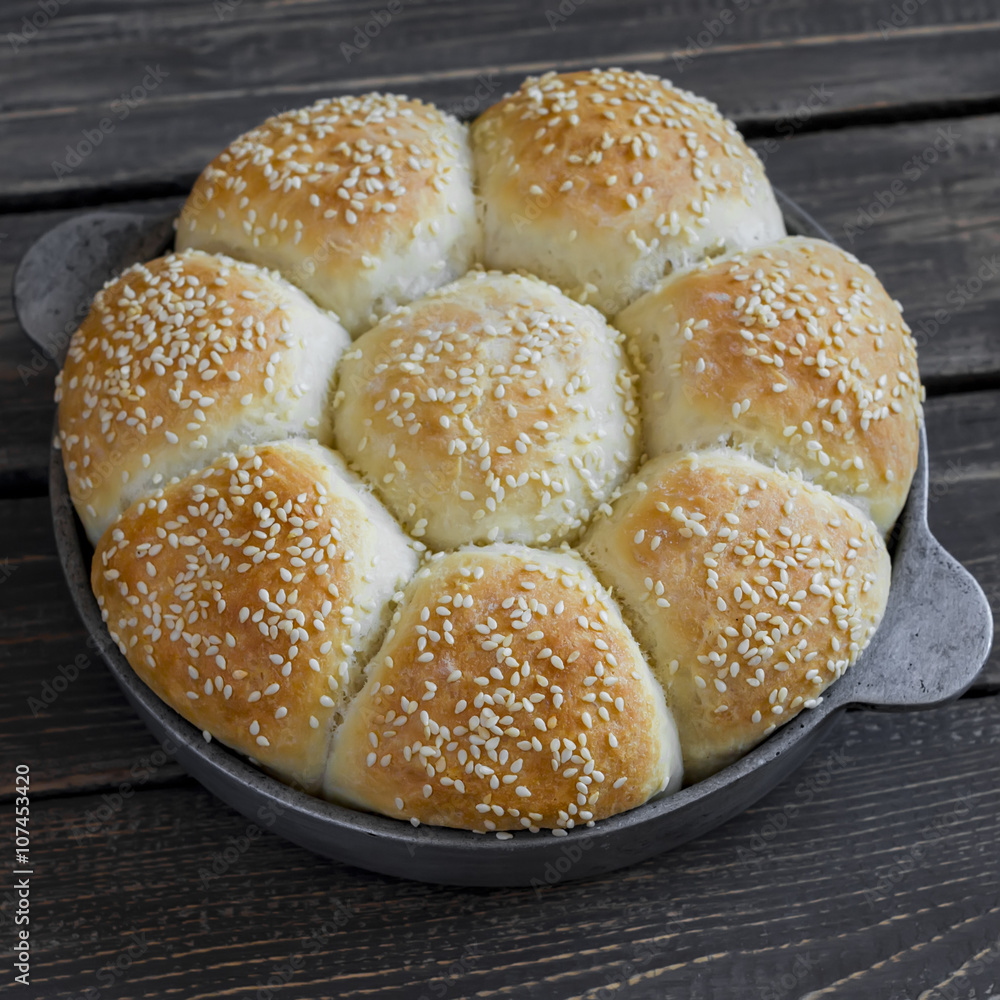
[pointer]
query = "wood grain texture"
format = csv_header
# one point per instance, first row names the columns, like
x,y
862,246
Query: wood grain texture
x,y
88,737
870,873
221,67
61,711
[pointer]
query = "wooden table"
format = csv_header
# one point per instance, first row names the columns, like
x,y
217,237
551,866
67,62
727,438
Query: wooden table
x,y
872,873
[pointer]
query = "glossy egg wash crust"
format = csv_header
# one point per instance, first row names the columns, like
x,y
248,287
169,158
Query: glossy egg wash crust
x,y
354,563
179,360
751,589
251,594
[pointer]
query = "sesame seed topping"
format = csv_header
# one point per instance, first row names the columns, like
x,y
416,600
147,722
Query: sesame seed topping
x,y
552,683
807,338
500,390
298,644
595,133
798,588
139,385
340,181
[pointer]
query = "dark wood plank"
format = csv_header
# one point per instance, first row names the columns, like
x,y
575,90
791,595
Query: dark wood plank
x,y
760,65
61,711
88,737
260,44
27,381
870,873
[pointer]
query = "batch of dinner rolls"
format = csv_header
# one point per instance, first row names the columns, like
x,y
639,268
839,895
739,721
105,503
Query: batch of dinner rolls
x,y
499,476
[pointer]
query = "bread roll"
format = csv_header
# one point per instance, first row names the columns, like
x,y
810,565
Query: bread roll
x,y
248,596
182,359
793,351
364,202
495,409
604,181
508,694
751,590
449,659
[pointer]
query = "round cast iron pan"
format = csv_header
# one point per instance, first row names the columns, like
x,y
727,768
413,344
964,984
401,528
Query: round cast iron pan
x,y
932,642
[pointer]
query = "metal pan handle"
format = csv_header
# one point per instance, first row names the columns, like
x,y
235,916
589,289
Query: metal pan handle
x,y
63,270
938,627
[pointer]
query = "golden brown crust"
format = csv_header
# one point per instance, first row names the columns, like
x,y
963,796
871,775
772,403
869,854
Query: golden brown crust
x,y
622,161
493,409
595,125
794,349
245,595
752,590
508,694
178,360
338,195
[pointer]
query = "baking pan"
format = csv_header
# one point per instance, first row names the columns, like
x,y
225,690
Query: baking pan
x,y
933,640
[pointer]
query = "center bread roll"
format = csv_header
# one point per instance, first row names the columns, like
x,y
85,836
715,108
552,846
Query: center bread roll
x,y
750,589
508,694
495,409
249,595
